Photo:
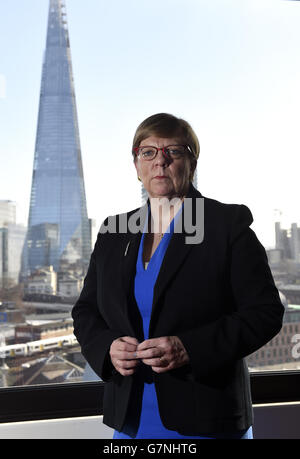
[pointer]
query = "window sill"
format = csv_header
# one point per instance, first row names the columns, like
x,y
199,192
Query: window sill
x,y
54,401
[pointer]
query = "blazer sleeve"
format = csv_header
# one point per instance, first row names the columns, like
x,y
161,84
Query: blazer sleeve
x,y
258,311
90,329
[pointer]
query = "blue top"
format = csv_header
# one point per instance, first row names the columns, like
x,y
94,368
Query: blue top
x,y
150,426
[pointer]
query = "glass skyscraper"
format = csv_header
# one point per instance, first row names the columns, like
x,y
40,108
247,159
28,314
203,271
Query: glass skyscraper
x,y
58,225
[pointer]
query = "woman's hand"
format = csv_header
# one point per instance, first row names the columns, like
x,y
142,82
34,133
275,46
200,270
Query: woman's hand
x,y
123,355
163,354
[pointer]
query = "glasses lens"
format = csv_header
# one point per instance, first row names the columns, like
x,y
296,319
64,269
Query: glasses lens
x,y
147,153
175,151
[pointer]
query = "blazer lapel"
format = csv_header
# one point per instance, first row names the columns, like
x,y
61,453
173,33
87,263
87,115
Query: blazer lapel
x,y
177,251
136,221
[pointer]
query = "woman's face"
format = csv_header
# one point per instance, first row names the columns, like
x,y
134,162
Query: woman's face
x,y
162,176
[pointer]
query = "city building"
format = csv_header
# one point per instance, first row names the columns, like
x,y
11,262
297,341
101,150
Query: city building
x,y
7,213
41,282
288,242
279,350
58,225
9,314
12,237
37,329
69,286
291,292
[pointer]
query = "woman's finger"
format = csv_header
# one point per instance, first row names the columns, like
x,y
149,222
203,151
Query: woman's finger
x,y
150,353
158,362
130,340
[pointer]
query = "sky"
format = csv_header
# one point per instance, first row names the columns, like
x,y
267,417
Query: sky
x,y
231,68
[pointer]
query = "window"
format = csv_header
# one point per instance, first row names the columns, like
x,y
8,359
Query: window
x,y
221,86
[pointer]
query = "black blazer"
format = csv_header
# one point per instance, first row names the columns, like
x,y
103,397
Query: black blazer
x,y
217,296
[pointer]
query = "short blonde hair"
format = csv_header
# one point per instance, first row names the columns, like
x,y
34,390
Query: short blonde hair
x,y
166,126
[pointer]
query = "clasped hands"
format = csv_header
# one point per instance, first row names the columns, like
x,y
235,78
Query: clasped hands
x,y
162,354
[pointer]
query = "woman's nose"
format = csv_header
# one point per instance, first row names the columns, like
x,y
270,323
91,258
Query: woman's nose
x,y
161,158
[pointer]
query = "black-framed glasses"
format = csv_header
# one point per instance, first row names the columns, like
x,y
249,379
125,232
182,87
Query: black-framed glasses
x,y
148,153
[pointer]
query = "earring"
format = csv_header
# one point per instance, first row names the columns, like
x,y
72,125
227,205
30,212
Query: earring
x,y
139,178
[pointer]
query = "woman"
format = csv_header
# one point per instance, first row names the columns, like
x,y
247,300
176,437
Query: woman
x,y
177,293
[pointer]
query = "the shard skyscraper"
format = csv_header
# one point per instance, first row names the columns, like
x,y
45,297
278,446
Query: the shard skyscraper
x,y
58,225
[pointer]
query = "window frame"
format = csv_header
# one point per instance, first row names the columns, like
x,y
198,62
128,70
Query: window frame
x,y
67,400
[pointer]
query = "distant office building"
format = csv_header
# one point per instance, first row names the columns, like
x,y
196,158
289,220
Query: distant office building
x,y
12,239
8,318
288,241
291,292
280,237
34,330
274,256
7,213
295,242
41,282
70,286
43,245
279,350
58,225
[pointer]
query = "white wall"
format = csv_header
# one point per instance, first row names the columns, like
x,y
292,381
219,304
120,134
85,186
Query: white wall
x,y
90,427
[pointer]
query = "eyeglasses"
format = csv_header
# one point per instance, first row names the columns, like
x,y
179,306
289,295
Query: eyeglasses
x,y
170,152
